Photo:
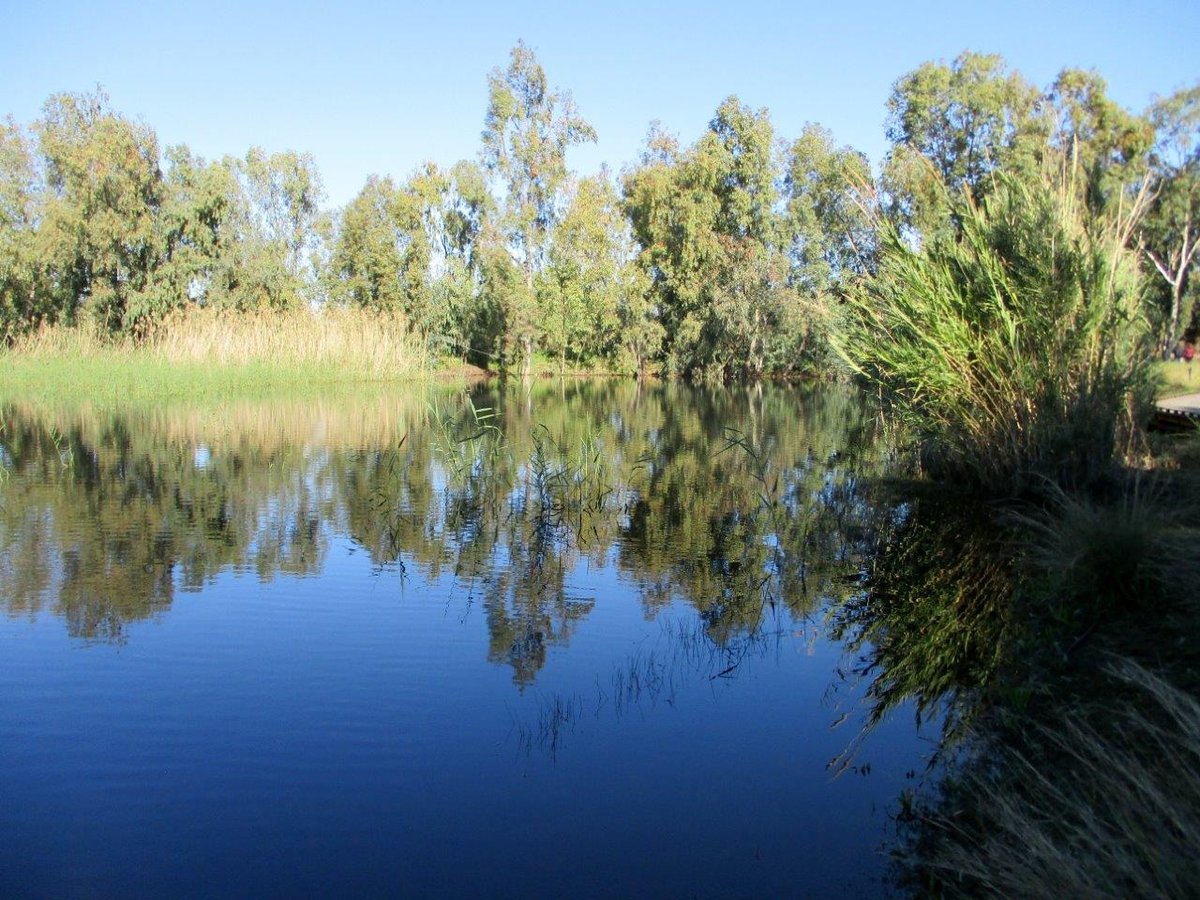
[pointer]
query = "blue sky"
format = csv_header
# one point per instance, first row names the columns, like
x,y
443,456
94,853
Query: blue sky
x,y
378,88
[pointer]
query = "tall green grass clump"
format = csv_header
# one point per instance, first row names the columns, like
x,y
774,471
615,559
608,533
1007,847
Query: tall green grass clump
x,y
1015,346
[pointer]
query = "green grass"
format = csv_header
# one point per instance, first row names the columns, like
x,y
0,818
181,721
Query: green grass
x,y
118,378
1175,378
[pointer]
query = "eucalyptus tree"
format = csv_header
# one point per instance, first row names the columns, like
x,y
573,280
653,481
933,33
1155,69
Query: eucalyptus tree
x,y
382,252
713,240
831,209
281,200
367,257
98,222
197,226
467,209
581,289
527,131
24,299
1170,235
1091,134
957,124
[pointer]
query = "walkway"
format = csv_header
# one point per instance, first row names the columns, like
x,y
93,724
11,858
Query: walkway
x,y
1187,405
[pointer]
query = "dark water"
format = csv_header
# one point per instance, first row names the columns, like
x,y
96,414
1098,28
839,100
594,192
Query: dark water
x,y
566,642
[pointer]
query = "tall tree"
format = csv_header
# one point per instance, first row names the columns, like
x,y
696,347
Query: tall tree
x,y
580,291
526,134
1095,136
24,299
197,227
467,210
283,193
957,123
830,209
1171,230
367,258
714,242
104,193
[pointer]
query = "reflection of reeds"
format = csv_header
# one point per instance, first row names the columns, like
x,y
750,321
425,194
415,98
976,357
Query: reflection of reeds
x,y
683,654
348,420
557,716
934,619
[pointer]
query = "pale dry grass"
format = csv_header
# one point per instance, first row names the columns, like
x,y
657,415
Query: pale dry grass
x,y
351,342
357,341
83,341
1116,814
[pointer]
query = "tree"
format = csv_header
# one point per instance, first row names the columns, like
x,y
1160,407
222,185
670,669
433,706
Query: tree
x,y
830,208
1170,235
581,290
526,134
714,245
1095,136
282,193
24,298
104,191
197,228
367,257
957,124
467,209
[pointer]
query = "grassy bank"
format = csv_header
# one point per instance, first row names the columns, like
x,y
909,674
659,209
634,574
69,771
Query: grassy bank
x,y
206,355
1063,640
1175,378
1079,775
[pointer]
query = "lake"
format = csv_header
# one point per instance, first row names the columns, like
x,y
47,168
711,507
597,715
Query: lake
x,y
569,640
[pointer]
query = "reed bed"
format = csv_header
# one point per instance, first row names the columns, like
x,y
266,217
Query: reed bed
x,y
358,342
1016,348
206,354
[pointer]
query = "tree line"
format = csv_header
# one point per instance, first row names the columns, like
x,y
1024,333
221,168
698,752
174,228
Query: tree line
x,y
729,257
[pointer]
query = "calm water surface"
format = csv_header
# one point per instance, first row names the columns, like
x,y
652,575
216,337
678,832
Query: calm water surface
x,y
563,642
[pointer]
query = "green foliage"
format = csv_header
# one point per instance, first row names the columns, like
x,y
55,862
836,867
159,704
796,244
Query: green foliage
x,y
1017,349
964,121
717,250
724,259
830,206
1170,234
527,132
381,255
104,190
25,296
1105,144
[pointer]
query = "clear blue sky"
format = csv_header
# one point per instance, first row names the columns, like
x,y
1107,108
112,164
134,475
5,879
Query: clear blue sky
x,y
379,88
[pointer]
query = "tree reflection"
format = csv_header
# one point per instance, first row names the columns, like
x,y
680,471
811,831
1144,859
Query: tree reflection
x,y
933,620
736,501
